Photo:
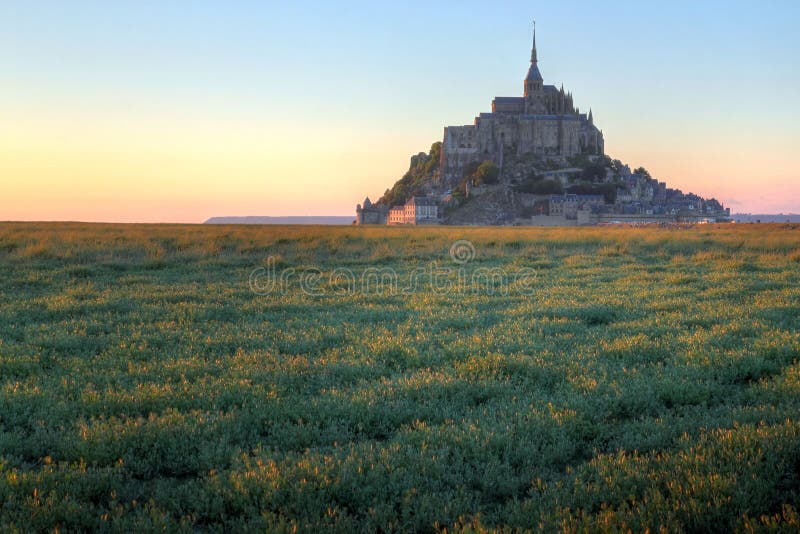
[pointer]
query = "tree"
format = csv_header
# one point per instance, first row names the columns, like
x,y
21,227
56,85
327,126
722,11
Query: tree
x,y
594,172
470,169
608,190
617,166
486,173
537,186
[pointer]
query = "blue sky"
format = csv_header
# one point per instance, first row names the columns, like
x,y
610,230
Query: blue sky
x,y
703,94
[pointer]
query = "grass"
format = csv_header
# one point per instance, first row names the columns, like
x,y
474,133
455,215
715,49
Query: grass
x,y
650,379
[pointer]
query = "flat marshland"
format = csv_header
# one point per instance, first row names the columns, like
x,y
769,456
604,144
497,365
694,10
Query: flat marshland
x,y
399,379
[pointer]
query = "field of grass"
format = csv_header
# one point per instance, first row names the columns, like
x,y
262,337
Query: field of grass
x,y
645,378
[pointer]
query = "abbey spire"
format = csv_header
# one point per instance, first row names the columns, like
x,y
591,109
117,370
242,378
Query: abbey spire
x,y
534,80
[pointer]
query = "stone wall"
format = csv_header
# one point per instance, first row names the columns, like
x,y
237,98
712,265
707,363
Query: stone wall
x,y
495,136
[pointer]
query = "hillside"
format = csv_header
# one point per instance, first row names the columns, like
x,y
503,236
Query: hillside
x,y
418,180
486,194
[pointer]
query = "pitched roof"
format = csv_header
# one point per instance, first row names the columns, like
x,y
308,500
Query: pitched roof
x,y
423,201
533,74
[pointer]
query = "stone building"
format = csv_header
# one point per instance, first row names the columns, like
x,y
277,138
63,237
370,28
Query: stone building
x,y
418,210
543,122
568,205
371,213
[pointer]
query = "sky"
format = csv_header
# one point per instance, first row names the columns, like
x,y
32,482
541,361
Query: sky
x,y
177,111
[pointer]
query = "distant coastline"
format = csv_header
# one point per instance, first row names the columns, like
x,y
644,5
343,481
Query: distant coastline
x,y
307,220
766,217
345,220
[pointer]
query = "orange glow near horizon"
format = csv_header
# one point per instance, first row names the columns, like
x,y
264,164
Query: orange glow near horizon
x,y
157,171
162,170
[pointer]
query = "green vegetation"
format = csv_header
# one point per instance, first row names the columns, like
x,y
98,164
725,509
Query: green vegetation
x,y
413,182
594,172
642,171
538,185
486,173
650,382
584,161
477,174
608,190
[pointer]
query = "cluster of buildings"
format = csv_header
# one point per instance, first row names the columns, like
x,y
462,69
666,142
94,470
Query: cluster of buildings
x,y
639,198
640,195
671,206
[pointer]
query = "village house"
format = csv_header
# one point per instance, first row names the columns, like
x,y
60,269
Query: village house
x,y
568,205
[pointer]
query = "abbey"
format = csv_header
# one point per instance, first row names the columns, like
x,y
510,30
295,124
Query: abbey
x,y
543,123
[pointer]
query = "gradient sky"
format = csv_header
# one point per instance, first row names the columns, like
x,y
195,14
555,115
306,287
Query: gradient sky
x,y
170,110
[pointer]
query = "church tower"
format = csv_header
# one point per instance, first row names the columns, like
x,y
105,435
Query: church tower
x,y
533,81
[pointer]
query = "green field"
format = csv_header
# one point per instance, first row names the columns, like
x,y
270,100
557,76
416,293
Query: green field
x,y
150,379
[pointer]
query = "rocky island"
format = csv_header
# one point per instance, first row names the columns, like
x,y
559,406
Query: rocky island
x,y
533,160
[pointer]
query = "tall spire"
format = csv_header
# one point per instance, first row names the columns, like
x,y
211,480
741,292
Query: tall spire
x,y
533,72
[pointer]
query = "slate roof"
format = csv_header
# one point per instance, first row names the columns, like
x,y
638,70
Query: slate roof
x,y
533,74
423,201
